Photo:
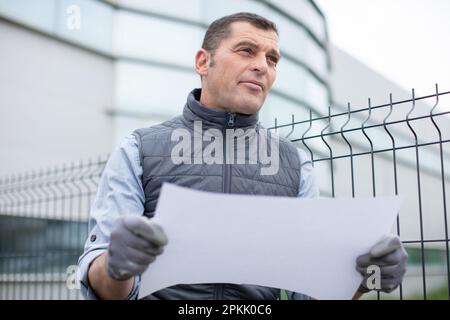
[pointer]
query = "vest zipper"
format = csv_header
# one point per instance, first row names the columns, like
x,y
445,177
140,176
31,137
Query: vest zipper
x,y
218,288
227,166
231,120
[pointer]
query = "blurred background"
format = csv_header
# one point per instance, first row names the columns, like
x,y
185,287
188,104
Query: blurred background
x,y
77,76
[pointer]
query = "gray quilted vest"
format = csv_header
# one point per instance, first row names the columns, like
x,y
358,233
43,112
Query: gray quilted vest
x,y
238,176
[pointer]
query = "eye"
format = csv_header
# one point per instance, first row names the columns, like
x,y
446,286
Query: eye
x,y
272,60
247,50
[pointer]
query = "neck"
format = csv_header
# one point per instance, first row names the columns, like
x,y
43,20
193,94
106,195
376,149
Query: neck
x,y
207,101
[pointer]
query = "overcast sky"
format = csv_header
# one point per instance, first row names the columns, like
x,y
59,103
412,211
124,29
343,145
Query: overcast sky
x,y
408,41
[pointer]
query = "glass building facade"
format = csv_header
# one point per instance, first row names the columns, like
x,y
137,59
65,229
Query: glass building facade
x,y
153,43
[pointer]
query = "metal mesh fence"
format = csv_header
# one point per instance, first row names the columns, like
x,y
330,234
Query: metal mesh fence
x,y
43,227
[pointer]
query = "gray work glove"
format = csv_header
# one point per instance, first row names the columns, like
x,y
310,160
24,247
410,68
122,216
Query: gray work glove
x,y
134,243
388,254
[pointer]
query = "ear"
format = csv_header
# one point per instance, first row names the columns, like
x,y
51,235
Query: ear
x,y
202,58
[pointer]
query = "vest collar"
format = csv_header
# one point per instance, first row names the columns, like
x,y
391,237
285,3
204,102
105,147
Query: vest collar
x,y
194,110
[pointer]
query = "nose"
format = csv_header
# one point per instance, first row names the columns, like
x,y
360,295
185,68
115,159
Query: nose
x,y
259,64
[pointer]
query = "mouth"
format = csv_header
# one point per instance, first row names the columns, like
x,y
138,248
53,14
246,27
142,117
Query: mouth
x,y
255,85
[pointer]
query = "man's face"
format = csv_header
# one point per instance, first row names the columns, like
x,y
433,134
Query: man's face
x,y
243,69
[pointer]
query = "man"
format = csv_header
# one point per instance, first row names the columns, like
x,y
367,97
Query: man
x,y
237,65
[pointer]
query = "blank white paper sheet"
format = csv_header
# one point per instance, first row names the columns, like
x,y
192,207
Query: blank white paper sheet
x,y
304,245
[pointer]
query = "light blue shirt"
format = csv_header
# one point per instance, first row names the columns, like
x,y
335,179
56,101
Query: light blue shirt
x,y
120,192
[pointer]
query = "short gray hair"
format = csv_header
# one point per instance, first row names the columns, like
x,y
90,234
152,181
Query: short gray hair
x,y
220,28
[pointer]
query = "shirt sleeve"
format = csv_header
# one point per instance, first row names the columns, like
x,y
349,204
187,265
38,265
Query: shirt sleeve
x,y
307,185
119,192
307,189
